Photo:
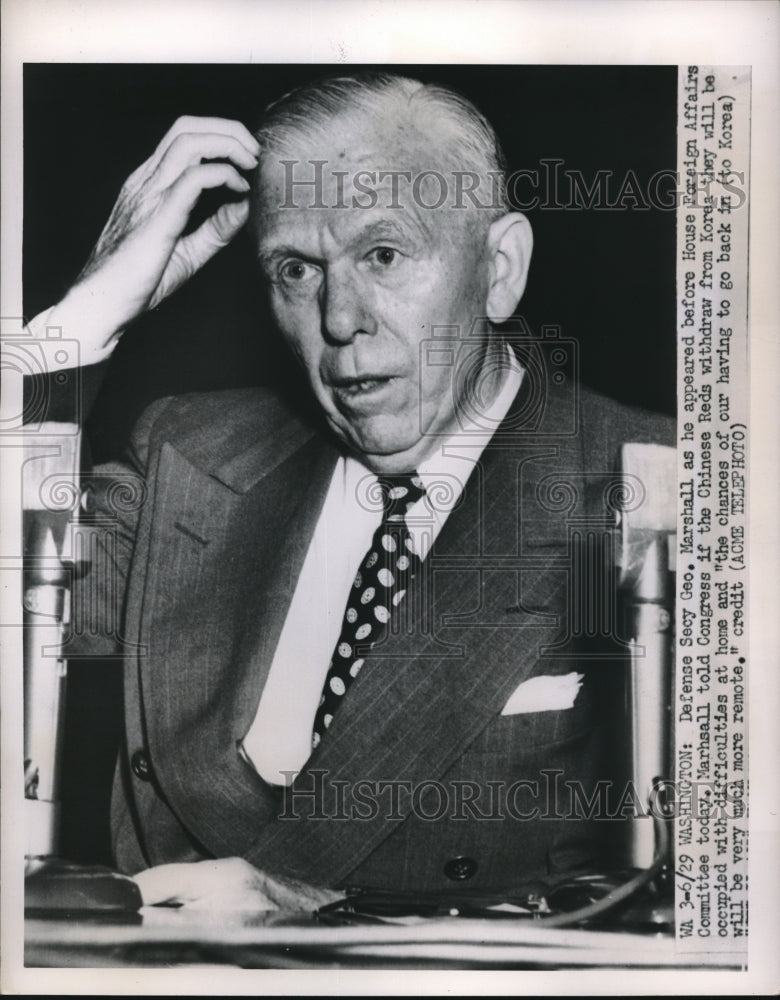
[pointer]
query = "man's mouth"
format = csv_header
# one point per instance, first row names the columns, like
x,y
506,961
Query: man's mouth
x,y
362,385
365,394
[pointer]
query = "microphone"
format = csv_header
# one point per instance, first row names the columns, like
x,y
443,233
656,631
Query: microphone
x,y
646,580
50,493
50,499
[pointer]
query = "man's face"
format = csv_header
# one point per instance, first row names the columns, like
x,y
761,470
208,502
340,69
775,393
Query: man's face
x,y
356,291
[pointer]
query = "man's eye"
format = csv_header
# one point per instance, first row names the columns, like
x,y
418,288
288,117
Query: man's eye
x,y
297,271
384,256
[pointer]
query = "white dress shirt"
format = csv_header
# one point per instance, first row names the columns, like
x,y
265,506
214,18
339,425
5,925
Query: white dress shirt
x,y
279,740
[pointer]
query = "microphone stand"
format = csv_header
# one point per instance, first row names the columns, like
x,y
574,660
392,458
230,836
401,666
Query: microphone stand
x,y
50,495
646,585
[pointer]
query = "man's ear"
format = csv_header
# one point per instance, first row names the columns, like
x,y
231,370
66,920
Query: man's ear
x,y
510,242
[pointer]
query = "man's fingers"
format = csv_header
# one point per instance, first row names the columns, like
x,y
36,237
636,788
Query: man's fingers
x,y
229,219
165,884
146,235
220,126
193,251
215,233
186,882
183,193
189,148
140,256
227,883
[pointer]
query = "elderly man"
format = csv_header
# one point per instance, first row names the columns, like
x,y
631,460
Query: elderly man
x,y
348,641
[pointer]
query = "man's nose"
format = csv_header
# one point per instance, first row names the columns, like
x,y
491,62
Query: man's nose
x,y
346,308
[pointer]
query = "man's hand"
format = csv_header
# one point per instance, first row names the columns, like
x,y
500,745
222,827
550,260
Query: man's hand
x,y
141,255
228,884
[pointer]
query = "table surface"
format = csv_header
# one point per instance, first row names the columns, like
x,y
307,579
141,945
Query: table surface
x,y
164,936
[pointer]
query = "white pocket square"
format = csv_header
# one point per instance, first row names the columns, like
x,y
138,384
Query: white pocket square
x,y
544,694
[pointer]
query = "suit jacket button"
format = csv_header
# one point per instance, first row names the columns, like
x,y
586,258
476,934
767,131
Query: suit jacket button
x,y
459,869
139,762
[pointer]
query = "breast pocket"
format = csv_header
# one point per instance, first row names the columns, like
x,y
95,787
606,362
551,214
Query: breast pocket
x,y
511,735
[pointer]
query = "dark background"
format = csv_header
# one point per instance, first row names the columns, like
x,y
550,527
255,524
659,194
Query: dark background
x,y
605,277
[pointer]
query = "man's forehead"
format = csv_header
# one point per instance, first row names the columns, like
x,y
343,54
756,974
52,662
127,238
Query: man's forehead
x,y
305,177
329,202
304,180
321,231
361,175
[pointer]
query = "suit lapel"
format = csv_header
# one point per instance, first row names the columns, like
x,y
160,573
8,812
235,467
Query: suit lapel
x,y
225,587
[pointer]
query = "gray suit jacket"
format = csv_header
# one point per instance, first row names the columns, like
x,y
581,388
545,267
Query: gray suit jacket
x,y
420,782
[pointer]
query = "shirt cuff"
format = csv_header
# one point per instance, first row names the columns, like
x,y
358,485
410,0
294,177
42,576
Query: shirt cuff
x,y
67,395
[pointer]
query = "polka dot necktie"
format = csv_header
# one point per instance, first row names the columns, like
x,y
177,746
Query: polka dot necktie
x,y
379,586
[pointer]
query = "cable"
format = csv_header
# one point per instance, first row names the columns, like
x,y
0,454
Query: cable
x,y
623,891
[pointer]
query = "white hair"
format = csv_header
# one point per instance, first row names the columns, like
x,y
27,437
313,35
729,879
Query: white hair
x,y
464,139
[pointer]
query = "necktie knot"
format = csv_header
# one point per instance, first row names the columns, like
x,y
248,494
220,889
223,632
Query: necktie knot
x,y
399,493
